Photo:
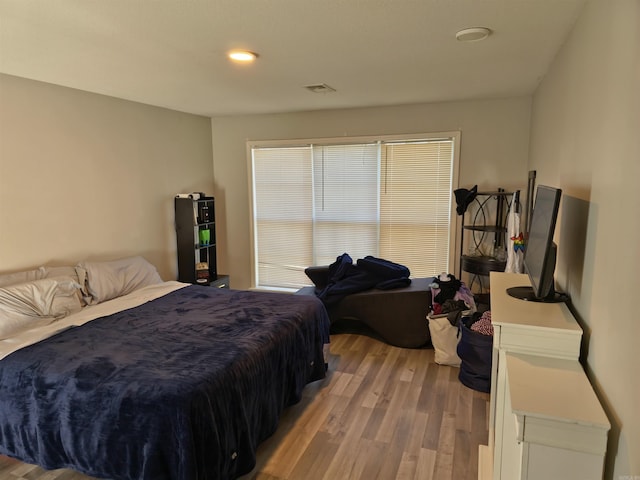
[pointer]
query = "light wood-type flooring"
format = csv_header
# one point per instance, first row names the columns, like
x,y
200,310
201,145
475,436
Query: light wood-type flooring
x,y
382,413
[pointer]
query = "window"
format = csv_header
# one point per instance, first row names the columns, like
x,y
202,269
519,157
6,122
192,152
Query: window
x,y
388,197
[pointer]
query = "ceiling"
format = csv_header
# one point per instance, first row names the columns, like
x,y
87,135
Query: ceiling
x,y
172,53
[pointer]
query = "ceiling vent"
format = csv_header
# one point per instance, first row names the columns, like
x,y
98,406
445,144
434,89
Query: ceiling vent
x,y
320,88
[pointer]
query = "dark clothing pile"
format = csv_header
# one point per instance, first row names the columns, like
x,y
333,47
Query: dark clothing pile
x,y
448,288
451,297
369,272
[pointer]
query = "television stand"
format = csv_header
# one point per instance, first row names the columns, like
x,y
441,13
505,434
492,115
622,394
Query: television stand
x,y
526,294
545,420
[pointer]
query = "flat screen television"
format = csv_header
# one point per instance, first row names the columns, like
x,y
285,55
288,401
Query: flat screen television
x,y
540,250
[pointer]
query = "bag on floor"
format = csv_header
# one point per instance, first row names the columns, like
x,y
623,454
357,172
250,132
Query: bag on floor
x,y
444,338
475,351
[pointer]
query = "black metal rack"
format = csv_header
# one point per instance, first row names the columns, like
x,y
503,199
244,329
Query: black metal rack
x,y
486,247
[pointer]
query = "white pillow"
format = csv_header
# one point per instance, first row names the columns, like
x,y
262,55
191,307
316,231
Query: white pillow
x,y
106,280
21,277
66,271
69,273
28,305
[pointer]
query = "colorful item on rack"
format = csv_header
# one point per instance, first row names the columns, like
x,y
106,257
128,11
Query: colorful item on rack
x,y
518,242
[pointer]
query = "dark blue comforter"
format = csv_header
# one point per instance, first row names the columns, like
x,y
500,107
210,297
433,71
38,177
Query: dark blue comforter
x,y
345,278
183,387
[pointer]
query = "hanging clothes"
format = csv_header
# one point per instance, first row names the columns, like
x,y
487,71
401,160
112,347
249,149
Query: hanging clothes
x,y
515,242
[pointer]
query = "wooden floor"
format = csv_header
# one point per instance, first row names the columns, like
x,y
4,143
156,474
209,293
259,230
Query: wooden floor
x,y
382,413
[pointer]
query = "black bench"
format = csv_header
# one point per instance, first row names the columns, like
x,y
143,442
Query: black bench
x,y
398,316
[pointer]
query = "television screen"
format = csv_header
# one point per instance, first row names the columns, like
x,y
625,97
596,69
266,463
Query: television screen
x,y
540,250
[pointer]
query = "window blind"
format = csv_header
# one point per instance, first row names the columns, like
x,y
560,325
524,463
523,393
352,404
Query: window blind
x,y
390,199
346,206
415,204
283,210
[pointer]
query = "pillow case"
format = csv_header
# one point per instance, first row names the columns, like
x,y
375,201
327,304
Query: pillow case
x,y
28,305
21,277
66,271
103,281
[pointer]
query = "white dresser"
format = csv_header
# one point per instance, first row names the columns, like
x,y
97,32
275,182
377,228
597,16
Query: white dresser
x,y
546,422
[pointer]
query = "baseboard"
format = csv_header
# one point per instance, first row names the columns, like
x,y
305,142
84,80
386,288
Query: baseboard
x,y
485,463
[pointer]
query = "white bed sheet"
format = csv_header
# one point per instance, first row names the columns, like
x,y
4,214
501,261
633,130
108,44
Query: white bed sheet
x,y
88,313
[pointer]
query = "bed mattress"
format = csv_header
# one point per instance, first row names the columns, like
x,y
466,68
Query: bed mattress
x,y
181,387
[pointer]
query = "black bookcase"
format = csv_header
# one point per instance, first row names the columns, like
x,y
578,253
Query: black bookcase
x,y
196,248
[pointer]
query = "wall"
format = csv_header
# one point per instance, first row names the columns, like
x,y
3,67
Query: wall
x,y
494,152
584,139
85,176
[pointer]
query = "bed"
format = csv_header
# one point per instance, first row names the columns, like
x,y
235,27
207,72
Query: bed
x,y
165,381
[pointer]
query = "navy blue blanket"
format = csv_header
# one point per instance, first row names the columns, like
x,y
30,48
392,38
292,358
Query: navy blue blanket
x,y
184,387
344,278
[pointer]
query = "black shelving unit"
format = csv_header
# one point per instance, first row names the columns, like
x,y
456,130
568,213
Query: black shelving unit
x,y
193,219
486,223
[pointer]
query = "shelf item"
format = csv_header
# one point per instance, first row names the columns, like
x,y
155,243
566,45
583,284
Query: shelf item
x,y
481,265
486,228
196,239
484,220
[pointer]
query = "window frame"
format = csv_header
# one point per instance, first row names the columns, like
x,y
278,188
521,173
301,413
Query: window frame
x,y
455,136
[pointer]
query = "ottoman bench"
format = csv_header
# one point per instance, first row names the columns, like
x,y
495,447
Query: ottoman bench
x,y
398,316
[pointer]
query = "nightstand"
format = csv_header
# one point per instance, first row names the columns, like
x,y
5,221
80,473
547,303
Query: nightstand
x,y
221,282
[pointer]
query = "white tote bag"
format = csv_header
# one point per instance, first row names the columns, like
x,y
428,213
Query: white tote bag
x,y
444,338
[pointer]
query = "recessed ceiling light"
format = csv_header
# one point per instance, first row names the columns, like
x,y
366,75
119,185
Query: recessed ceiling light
x,y
242,56
473,34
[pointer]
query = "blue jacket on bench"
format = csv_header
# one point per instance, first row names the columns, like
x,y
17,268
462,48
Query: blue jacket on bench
x,y
345,278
